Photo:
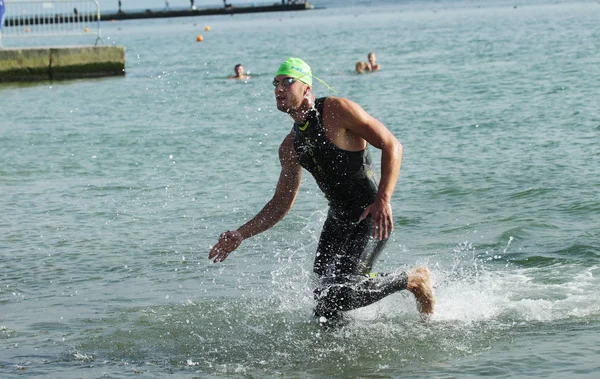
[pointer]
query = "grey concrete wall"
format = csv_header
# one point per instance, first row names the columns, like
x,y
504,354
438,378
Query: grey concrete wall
x,y
55,63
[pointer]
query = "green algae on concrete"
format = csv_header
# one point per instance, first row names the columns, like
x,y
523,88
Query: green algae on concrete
x,y
54,63
24,64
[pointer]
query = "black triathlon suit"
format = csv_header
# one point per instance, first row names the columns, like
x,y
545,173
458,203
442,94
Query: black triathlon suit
x,y
346,251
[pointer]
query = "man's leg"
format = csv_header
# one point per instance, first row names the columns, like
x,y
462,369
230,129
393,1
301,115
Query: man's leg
x,y
378,286
327,267
345,257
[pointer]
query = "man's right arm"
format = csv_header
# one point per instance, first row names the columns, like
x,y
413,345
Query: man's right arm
x,y
279,205
284,196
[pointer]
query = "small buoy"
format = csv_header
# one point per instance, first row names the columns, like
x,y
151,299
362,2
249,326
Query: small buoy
x,y
26,30
199,38
207,28
86,30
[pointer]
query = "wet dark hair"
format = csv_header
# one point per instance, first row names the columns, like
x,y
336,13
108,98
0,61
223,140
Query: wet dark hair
x,y
237,65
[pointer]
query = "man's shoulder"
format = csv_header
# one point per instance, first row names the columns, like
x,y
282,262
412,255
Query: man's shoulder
x,y
338,103
287,153
333,100
288,141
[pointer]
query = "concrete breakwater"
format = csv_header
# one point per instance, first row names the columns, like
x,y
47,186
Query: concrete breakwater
x,y
56,63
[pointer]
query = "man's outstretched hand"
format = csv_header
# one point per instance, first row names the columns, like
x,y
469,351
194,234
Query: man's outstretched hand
x,y
228,242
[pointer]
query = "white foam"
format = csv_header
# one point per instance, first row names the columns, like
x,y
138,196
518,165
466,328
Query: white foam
x,y
515,293
468,289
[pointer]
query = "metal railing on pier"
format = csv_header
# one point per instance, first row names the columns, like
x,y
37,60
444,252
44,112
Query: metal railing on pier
x,y
49,18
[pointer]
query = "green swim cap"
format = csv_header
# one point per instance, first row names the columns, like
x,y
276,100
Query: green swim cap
x,y
296,68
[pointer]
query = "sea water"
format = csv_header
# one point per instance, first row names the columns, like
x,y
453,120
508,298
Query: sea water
x,y
114,190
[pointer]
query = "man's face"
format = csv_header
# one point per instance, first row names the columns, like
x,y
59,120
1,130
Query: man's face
x,y
289,93
239,70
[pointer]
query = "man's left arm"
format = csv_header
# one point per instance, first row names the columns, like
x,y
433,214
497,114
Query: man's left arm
x,y
358,122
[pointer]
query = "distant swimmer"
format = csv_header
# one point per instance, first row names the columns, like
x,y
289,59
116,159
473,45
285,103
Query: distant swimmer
x,y
373,65
330,139
239,73
361,67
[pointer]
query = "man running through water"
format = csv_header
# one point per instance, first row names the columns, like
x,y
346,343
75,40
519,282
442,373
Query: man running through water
x,y
330,139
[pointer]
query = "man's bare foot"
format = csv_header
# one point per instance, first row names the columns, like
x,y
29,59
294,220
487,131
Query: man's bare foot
x,y
419,283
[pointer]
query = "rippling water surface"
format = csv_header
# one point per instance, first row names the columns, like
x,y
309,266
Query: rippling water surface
x,y
113,191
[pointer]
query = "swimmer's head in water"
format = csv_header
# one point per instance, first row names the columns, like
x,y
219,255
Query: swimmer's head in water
x,y
296,68
361,67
